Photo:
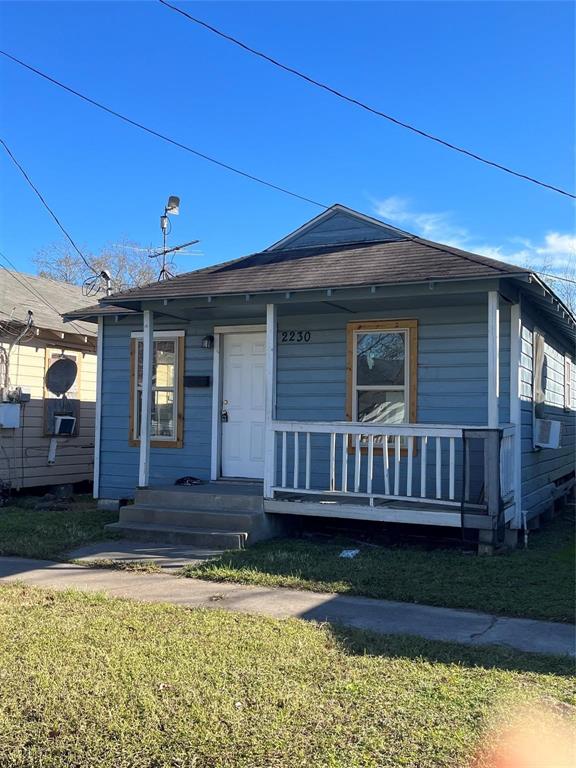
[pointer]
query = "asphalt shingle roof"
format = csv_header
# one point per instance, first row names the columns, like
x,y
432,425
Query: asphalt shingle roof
x,y
46,298
331,266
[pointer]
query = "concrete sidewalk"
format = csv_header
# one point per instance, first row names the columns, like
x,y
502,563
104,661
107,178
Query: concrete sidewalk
x,y
382,616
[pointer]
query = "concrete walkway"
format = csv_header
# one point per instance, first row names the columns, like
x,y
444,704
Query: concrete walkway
x,y
165,556
381,616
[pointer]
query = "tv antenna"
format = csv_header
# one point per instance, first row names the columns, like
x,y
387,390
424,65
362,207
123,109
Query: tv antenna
x,y
172,208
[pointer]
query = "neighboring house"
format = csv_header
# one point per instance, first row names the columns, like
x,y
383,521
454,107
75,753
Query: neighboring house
x,y
45,439
358,371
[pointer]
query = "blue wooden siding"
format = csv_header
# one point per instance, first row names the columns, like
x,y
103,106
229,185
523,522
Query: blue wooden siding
x,y
311,384
342,228
119,460
541,468
452,380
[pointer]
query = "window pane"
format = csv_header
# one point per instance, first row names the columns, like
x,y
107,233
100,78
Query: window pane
x,y
164,365
163,414
377,407
380,359
162,421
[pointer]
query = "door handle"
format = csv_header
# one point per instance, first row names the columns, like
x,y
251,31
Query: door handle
x,y
224,416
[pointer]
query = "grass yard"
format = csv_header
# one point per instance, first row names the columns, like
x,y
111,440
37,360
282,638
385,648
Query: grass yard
x,y
48,534
537,583
94,681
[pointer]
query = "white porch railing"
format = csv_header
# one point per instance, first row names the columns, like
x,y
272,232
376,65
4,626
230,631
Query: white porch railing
x,y
507,462
411,462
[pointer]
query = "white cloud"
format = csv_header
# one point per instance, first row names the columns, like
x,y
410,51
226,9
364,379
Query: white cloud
x,y
436,226
553,252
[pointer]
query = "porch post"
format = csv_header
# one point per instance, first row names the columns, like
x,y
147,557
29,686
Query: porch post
x,y
98,410
493,358
270,440
146,415
515,409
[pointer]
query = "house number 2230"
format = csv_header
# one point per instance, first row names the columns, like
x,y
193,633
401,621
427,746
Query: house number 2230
x,y
296,337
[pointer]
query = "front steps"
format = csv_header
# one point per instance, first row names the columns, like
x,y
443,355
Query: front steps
x,y
218,515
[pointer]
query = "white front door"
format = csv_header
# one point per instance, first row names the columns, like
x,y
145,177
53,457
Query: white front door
x,y
243,404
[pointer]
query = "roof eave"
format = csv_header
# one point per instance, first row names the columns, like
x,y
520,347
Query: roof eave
x,y
128,302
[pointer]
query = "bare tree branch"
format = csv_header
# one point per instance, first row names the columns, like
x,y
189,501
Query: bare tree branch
x,y
128,264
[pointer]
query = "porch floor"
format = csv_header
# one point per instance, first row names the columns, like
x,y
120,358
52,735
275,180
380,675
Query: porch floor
x,y
219,487
383,510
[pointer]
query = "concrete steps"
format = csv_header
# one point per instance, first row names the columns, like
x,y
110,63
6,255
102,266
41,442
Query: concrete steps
x,y
189,518
215,496
214,515
177,534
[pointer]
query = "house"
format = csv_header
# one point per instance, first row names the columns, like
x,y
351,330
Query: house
x,y
355,371
46,435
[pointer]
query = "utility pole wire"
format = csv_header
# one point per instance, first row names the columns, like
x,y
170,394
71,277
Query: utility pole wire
x,y
556,277
45,204
362,104
161,135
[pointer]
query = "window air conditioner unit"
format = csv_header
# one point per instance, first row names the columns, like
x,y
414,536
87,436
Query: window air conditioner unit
x,y
9,415
64,425
546,433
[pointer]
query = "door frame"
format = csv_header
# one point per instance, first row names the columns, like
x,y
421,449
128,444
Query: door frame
x,y
217,378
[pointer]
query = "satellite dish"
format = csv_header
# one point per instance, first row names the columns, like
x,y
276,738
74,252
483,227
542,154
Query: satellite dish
x,y
60,376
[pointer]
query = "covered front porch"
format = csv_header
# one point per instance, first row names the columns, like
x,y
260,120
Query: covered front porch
x,y
464,475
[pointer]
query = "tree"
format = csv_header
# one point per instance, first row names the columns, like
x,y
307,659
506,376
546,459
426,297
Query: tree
x,y
564,286
128,264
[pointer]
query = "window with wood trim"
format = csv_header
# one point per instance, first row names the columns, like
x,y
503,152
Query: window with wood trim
x,y
382,371
167,414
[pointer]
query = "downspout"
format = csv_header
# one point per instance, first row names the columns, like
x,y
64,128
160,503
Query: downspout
x,y
98,413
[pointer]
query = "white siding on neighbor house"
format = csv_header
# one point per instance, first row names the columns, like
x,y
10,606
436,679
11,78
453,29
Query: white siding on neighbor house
x,y
542,468
24,451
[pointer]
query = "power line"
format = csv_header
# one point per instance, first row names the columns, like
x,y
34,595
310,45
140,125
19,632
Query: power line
x,y
45,204
25,284
162,136
556,277
362,104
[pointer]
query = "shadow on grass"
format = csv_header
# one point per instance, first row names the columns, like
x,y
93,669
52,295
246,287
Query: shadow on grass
x,y
356,642
536,583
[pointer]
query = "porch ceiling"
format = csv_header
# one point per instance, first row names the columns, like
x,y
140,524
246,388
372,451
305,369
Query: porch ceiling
x,y
334,304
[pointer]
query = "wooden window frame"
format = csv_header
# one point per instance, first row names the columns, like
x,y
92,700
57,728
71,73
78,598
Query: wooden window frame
x,y
411,329
178,441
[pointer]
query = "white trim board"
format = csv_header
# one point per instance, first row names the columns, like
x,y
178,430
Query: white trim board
x,y
158,334
239,329
216,400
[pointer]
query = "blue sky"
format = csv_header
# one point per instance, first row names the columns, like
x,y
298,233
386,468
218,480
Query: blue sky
x,y
496,77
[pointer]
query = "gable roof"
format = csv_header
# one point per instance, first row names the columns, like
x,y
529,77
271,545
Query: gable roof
x,y
321,255
337,225
46,298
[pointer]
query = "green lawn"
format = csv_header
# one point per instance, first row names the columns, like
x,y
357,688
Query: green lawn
x,y
537,583
94,681
48,534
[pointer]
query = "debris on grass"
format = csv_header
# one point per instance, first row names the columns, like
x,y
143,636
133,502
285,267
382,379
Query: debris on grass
x,y
349,553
